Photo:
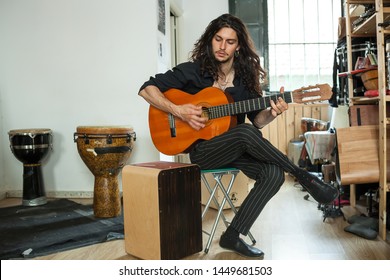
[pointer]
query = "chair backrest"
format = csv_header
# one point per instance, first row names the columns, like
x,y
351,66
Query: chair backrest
x,y
357,157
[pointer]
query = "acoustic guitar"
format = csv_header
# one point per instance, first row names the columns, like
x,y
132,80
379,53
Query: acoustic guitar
x,y
172,136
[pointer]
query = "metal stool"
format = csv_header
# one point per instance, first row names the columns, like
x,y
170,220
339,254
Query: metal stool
x,y
217,175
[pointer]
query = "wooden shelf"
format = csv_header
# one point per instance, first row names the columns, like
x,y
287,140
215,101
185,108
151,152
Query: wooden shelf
x,y
364,100
366,2
367,28
362,2
370,27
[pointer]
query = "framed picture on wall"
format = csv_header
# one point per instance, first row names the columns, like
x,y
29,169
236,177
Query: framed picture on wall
x,y
161,16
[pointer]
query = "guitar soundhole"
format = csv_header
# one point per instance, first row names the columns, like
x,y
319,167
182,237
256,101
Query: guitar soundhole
x,y
205,113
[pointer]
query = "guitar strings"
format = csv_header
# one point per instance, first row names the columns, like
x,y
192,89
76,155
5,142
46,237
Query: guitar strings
x,y
245,105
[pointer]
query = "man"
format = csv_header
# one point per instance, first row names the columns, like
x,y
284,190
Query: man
x,y
224,57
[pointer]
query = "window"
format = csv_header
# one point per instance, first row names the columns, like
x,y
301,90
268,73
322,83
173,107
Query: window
x,y
302,37
297,42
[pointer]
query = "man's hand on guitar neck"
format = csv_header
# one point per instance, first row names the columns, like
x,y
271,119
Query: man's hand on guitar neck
x,y
266,116
278,107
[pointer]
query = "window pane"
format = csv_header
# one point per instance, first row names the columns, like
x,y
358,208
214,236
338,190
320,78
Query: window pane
x,y
311,64
280,65
297,66
311,17
281,19
249,10
297,20
326,63
271,22
327,22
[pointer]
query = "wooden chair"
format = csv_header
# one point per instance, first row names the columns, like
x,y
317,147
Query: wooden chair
x,y
357,157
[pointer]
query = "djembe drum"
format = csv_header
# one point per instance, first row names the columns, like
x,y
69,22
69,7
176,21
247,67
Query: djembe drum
x,y
105,150
31,147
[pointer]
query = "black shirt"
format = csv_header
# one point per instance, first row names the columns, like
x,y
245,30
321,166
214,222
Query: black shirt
x,y
187,77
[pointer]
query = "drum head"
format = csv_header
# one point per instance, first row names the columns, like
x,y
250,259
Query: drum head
x,y
101,130
29,132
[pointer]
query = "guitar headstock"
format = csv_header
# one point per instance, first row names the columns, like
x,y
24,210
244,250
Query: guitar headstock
x,y
319,92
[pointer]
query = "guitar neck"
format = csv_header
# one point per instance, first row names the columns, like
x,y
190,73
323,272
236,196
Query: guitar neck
x,y
247,106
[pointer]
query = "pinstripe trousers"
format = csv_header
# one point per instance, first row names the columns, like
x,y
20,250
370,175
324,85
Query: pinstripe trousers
x,y
244,148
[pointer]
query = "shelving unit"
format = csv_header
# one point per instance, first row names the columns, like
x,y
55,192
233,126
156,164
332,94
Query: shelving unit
x,y
372,27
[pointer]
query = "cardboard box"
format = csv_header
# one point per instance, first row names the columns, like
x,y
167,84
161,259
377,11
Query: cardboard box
x,y
363,115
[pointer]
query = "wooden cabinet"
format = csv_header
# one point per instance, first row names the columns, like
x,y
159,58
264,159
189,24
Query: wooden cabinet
x,y
374,26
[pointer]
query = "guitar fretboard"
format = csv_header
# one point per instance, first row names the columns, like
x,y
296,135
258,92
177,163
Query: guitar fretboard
x,y
246,106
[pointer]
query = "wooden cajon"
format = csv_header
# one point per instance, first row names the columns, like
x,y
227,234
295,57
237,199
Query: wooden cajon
x,y
162,210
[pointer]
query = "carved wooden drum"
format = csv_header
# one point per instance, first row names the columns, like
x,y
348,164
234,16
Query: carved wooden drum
x,y
105,150
31,147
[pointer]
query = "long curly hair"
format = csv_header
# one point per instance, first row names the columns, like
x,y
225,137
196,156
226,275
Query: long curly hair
x,y
246,63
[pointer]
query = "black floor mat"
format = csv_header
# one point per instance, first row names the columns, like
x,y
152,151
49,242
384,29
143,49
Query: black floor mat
x,y
59,225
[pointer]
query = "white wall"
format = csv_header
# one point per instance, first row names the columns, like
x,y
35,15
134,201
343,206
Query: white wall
x,y
197,15
2,150
68,63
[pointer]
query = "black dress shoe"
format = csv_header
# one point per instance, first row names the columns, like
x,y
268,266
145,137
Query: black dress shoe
x,y
322,192
238,245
